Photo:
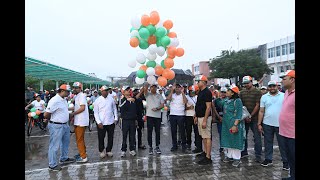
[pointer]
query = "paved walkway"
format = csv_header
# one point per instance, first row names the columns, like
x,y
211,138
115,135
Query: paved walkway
x,y
168,165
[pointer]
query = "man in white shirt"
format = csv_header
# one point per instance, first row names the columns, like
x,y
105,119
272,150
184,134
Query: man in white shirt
x,y
106,114
177,115
59,129
81,120
39,104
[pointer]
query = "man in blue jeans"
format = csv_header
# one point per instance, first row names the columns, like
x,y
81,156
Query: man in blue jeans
x,y
58,115
268,123
177,116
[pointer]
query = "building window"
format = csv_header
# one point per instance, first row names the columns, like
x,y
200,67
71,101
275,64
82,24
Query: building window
x,y
284,49
196,68
288,67
281,69
291,47
272,52
278,50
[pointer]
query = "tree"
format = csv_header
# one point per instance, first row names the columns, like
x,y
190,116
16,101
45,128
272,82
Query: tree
x,y
232,64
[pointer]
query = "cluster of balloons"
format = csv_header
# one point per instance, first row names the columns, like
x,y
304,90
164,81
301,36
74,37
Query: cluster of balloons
x,y
154,35
34,113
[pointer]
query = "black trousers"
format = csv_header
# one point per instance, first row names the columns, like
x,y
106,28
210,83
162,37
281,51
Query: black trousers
x,y
139,130
128,126
174,122
102,134
197,137
156,123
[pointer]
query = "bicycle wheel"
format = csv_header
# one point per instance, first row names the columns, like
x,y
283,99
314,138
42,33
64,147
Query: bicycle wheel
x,y
30,125
71,126
91,122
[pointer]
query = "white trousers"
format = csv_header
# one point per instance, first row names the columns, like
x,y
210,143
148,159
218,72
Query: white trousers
x,y
233,153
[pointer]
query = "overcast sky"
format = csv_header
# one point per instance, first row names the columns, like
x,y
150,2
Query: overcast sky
x,y
92,36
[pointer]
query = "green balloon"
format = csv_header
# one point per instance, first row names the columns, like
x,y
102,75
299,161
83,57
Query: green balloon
x,y
33,109
151,64
35,117
91,107
158,43
143,44
162,64
151,29
165,41
141,73
144,33
160,32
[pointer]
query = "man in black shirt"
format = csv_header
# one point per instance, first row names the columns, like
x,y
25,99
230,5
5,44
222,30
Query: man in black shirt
x,y
139,97
204,119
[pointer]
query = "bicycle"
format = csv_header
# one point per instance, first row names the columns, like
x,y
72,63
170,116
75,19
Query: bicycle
x,y
31,123
91,121
70,122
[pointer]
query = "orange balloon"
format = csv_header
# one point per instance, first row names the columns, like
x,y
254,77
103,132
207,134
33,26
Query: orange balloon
x,y
134,42
152,39
162,81
158,70
29,114
143,67
171,74
169,63
38,112
180,52
168,24
172,34
145,20
166,108
172,57
171,51
154,17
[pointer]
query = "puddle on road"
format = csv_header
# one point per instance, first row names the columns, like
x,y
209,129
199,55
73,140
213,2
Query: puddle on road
x,y
34,151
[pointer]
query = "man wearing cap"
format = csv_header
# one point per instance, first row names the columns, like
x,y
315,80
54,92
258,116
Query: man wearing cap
x,y
58,115
263,90
94,96
105,114
268,123
218,110
155,103
287,119
138,99
250,97
39,104
190,113
177,115
203,118
81,120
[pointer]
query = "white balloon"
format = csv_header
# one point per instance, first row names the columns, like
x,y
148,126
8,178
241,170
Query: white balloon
x,y
151,57
141,58
150,71
71,105
144,103
160,23
151,79
33,114
136,22
132,63
139,80
152,49
174,42
135,33
160,51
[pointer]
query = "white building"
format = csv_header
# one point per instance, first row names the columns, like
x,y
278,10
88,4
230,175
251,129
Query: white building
x,y
281,56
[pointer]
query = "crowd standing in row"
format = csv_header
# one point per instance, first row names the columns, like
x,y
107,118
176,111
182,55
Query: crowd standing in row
x,y
189,108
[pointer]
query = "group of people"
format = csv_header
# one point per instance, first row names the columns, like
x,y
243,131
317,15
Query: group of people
x,y
194,107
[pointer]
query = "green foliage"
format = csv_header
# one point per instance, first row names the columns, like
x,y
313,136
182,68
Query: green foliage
x,y
232,64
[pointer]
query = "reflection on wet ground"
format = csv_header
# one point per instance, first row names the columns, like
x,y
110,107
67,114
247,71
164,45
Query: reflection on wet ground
x,y
168,165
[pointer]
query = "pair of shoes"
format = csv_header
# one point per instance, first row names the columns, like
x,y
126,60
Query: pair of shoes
x,y
221,150
142,147
162,123
69,160
227,159
205,161
174,149
258,159
203,154
56,168
244,154
81,160
197,150
236,163
102,154
122,154
157,150
286,166
266,162
150,151
133,152
110,154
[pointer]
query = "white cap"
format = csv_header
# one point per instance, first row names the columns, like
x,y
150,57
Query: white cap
x,y
263,87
